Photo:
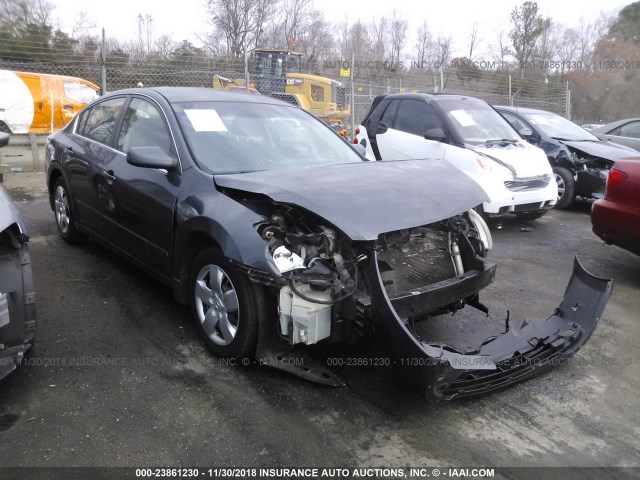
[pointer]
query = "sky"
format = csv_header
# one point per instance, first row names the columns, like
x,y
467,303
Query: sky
x,y
187,20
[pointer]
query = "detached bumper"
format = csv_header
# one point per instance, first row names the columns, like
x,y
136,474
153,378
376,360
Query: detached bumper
x,y
17,308
515,355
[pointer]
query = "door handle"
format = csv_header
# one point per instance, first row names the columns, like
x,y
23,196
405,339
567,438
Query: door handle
x,y
68,107
109,175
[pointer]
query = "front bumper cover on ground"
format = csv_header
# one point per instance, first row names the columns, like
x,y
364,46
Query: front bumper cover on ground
x,y
522,351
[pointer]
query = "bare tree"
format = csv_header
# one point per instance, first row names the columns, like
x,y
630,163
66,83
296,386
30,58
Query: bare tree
x,y
354,39
82,26
398,36
17,15
589,36
424,46
444,47
240,24
474,40
317,42
379,37
500,49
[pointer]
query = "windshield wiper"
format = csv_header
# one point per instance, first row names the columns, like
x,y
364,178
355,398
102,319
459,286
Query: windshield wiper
x,y
501,140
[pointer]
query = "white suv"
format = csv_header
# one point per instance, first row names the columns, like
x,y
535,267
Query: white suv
x,y
472,136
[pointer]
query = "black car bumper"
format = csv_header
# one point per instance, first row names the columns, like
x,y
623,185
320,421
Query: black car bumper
x,y
515,355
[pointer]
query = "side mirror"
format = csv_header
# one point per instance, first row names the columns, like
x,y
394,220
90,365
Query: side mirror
x,y
382,128
359,148
4,139
528,135
435,134
151,157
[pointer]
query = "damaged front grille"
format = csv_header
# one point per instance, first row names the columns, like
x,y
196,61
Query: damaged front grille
x,y
420,260
526,184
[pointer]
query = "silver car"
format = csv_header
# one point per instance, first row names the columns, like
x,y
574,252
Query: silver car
x,y
625,132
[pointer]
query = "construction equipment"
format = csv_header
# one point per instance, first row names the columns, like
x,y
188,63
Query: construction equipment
x,y
278,73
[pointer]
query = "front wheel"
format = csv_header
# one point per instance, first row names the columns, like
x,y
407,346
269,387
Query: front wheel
x,y
224,307
566,187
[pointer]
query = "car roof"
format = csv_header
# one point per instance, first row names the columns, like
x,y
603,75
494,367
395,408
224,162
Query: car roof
x,y
521,109
194,94
609,126
428,97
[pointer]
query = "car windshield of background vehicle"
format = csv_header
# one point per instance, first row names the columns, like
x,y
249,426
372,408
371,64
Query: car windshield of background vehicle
x,y
559,128
230,137
477,123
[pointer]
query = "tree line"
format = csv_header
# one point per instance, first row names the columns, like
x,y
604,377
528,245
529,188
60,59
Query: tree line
x,y
600,59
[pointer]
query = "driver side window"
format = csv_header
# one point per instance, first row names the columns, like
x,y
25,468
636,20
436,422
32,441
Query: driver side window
x,y
143,126
416,117
515,121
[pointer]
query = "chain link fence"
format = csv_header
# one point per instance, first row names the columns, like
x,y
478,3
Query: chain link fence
x,y
495,87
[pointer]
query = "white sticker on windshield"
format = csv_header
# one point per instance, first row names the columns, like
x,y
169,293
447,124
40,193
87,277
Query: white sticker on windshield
x,y
206,120
463,118
539,120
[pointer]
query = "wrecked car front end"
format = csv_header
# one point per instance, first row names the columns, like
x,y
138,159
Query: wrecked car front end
x,y
590,162
17,298
345,266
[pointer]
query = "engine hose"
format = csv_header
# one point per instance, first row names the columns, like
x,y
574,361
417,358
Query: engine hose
x,y
326,302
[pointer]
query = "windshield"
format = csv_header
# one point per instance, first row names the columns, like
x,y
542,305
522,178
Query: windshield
x,y
559,128
477,123
235,137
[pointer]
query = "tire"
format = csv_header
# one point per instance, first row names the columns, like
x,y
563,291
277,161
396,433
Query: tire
x,y
225,311
532,215
64,214
566,187
4,128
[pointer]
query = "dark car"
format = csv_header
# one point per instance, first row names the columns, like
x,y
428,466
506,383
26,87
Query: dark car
x,y
616,217
625,132
580,160
279,235
17,297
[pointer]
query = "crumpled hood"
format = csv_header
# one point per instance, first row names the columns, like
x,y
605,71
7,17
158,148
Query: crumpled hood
x,y
366,199
606,150
526,159
8,212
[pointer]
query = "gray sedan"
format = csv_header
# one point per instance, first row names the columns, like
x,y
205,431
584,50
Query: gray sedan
x,y
625,132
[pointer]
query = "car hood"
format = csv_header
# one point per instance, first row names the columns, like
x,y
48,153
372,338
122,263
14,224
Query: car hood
x,y
369,198
8,212
606,150
524,159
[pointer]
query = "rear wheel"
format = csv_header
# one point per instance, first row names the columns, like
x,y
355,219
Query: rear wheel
x,y
65,219
566,187
223,303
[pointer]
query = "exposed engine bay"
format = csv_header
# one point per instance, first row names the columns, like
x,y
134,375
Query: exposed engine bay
x,y
326,290
340,266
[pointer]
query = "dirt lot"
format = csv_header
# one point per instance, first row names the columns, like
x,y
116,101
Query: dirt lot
x,y
118,376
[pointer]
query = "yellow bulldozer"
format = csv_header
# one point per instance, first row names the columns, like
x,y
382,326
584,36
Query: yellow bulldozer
x,y
278,73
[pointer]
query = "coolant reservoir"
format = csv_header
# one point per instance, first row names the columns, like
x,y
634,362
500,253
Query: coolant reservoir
x,y
303,321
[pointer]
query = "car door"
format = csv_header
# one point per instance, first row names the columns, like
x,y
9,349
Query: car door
x,y
400,132
84,162
140,201
627,134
